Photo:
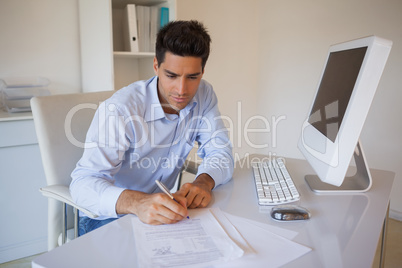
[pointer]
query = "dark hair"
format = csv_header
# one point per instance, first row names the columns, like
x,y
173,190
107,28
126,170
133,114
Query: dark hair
x,y
183,38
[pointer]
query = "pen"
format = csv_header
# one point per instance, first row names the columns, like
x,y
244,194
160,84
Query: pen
x,y
166,191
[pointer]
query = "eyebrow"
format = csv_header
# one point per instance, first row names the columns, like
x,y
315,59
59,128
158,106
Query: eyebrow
x,y
174,74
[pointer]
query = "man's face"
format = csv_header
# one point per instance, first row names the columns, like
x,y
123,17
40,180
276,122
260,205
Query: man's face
x,y
178,82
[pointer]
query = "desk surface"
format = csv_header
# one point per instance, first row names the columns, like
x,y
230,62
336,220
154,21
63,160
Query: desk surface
x,y
343,231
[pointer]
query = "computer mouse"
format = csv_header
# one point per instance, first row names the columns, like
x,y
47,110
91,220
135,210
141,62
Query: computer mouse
x,y
289,213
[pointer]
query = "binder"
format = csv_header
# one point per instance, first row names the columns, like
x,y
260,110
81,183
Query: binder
x,y
164,16
154,26
130,29
143,23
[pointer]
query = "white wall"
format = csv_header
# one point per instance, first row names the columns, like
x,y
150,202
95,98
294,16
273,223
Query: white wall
x,y
231,68
269,55
40,38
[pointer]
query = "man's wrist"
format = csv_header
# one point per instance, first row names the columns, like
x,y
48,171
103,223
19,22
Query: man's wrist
x,y
205,179
127,202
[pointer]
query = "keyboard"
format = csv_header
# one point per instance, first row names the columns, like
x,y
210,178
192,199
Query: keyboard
x,y
273,183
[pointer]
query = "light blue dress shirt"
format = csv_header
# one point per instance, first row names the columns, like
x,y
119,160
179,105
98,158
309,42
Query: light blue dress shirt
x,y
131,143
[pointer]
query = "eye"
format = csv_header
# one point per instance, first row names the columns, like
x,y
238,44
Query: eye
x,y
193,77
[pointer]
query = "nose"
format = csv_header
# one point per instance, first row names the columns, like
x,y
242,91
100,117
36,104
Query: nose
x,y
181,88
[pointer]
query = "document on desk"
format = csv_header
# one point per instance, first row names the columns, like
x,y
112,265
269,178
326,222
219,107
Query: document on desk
x,y
272,245
197,242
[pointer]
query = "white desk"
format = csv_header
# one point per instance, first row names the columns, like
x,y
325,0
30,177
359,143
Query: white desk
x,y
343,231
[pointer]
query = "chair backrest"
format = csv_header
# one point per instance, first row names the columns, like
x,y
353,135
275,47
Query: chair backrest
x,y
61,123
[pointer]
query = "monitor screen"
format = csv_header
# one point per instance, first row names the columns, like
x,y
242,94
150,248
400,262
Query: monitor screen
x,y
335,89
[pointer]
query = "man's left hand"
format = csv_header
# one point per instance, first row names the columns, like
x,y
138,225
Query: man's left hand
x,y
199,192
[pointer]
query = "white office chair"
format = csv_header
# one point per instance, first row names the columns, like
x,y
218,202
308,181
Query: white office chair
x,y
61,122
59,154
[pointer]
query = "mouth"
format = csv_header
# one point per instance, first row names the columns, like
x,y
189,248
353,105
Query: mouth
x,y
179,99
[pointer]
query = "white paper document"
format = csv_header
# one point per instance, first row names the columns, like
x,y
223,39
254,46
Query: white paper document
x,y
197,242
232,231
212,238
267,227
272,245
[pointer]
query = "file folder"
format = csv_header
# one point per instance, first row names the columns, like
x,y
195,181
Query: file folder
x,y
130,29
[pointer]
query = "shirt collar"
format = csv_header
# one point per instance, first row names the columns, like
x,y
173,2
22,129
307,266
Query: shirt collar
x,y
190,106
154,109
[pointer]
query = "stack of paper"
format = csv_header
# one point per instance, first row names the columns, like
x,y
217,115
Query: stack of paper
x,y
213,238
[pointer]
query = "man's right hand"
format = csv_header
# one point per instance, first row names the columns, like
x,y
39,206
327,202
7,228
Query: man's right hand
x,y
152,208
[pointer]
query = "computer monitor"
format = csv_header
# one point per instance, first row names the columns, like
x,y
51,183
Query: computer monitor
x,y
330,134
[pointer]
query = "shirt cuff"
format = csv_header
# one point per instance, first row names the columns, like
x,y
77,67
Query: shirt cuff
x,y
109,200
215,174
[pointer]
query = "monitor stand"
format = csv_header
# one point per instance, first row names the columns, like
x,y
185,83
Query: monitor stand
x,y
359,182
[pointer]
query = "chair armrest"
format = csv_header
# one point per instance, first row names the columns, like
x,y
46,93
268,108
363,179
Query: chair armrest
x,y
191,167
62,193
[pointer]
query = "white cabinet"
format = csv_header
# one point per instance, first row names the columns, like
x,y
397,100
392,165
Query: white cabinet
x,y
104,65
23,209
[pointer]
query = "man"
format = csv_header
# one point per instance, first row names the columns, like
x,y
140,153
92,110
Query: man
x,y
145,131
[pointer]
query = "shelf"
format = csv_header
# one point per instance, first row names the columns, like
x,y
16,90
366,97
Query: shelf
x,y
134,55
123,3
5,116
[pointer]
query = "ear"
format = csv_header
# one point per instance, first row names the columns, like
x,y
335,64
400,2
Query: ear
x,y
156,66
